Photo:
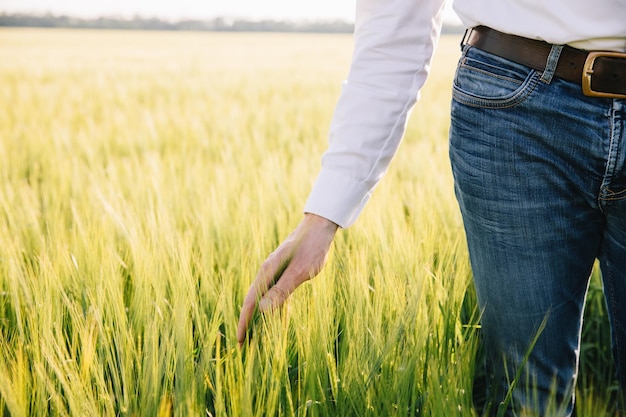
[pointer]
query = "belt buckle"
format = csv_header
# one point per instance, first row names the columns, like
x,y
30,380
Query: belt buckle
x,y
588,73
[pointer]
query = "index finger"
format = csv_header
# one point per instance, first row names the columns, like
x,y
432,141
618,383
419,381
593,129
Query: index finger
x,y
269,272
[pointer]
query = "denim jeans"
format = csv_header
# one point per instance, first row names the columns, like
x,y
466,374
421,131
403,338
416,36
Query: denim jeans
x,y
540,179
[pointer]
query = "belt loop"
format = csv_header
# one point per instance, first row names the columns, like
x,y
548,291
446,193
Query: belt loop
x,y
465,37
553,60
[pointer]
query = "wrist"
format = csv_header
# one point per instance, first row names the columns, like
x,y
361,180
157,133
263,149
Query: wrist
x,y
317,221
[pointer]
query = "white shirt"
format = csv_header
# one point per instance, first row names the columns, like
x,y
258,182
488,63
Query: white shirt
x,y
585,24
394,41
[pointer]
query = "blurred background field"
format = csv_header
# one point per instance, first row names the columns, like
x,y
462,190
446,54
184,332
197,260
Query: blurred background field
x,y
144,176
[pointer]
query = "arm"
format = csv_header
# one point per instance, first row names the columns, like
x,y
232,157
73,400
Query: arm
x,y
394,43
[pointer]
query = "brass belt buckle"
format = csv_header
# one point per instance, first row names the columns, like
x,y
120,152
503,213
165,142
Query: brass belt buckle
x,y
588,73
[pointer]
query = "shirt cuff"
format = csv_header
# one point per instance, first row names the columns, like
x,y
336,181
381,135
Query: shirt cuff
x,y
337,197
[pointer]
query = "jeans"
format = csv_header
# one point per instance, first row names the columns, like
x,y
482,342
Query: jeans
x,y
540,180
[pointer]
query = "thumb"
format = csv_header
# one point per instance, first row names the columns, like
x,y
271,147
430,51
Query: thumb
x,y
273,298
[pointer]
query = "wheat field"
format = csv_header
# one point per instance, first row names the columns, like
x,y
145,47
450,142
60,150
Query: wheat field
x,y
144,176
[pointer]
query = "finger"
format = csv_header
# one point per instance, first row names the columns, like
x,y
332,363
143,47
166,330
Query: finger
x,y
247,309
273,298
292,277
245,316
267,274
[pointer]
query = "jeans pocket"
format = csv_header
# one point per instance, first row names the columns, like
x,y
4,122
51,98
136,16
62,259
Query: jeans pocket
x,y
488,81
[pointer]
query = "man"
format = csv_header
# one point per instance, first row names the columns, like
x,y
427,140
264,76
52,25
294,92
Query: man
x,y
537,145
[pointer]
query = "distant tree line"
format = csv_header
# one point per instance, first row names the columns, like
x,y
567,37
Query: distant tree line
x,y
143,23
217,24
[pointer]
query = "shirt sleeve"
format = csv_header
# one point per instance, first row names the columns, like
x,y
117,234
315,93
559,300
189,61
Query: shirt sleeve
x,y
394,41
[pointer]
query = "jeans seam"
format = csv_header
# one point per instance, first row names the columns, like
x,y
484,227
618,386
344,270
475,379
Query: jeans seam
x,y
497,103
613,156
614,313
608,195
490,74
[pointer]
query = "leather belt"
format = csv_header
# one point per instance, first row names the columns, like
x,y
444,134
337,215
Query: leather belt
x,y
601,74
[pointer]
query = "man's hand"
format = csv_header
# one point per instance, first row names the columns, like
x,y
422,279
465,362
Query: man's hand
x,y
299,258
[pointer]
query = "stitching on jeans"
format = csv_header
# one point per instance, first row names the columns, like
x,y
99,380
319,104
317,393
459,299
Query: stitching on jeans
x,y
495,103
610,195
614,152
613,303
490,74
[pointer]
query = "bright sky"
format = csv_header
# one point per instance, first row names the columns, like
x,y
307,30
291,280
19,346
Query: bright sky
x,y
199,9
